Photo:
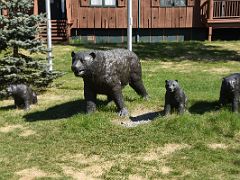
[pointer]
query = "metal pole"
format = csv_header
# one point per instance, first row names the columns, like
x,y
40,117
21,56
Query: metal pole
x,y
49,35
129,25
139,20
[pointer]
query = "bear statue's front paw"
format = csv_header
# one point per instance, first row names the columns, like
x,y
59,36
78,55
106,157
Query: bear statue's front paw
x,y
146,98
26,108
123,112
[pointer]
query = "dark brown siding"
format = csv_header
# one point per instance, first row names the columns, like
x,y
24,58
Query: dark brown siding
x,y
152,15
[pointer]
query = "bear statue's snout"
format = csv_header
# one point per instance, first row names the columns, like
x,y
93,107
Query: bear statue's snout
x,y
77,70
9,91
170,88
73,68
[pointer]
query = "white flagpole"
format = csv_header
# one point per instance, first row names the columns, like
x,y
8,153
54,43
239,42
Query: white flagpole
x,y
49,35
129,25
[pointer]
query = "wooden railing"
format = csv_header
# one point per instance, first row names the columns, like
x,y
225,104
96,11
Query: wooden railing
x,y
226,9
204,11
59,30
220,9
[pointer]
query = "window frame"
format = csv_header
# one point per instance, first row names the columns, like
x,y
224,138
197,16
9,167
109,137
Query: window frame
x,y
103,4
171,6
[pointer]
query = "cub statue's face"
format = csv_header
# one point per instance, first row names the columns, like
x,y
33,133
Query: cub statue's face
x,y
171,85
81,63
230,84
11,89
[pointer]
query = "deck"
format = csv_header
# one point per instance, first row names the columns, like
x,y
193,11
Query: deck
x,y
221,14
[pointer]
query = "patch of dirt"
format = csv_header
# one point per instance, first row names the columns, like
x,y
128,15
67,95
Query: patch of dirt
x,y
217,146
136,177
161,152
165,170
50,97
95,166
11,128
186,67
75,174
27,132
180,67
217,70
98,169
33,173
82,159
140,115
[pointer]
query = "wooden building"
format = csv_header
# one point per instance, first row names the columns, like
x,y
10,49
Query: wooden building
x,y
153,20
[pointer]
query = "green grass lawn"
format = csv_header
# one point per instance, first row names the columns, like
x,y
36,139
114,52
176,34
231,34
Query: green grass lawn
x,y
57,140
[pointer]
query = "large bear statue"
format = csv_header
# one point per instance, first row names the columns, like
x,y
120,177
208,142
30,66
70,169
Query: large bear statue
x,y
107,72
23,95
230,90
175,98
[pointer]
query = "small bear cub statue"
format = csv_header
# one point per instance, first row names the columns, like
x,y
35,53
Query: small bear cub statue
x,y
230,90
175,98
23,95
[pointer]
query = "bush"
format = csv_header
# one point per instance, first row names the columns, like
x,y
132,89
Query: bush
x,y
20,30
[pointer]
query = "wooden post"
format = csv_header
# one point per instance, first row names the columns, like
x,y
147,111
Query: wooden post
x,y
69,17
210,34
35,7
210,17
69,11
210,10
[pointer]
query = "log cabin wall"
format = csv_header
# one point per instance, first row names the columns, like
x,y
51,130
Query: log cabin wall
x,y
152,15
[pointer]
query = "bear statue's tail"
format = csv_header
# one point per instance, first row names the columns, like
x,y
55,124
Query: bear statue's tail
x,y
34,98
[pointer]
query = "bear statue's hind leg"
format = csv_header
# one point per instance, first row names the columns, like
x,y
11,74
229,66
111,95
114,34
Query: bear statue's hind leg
x,y
34,98
137,84
118,99
26,104
180,109
235,103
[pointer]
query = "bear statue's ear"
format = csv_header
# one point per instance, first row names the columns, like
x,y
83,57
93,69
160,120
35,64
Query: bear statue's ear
x,y
93,54
176,80
166,81
73,54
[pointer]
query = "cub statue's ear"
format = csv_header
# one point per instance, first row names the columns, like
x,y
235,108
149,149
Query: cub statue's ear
x,y
93,54
89,57
176,80
73,54
166,81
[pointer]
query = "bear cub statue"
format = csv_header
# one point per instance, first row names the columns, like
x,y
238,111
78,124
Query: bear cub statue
x,y
230,90
175,98
107,72
23,95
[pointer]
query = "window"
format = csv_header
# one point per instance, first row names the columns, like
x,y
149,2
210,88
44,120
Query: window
x,y
96,3
171,3
110,2
104,3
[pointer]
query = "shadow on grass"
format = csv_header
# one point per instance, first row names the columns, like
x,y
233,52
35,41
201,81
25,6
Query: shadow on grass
x,y
202,107
60,111
5,108
195,51
146,117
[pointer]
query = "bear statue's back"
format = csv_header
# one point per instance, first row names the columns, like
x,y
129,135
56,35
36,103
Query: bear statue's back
x,y
115,65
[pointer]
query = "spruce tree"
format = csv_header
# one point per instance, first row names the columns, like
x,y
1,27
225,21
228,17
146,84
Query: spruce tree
x,y
19,29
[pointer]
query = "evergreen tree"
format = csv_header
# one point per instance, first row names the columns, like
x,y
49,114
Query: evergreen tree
x,y
19,29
